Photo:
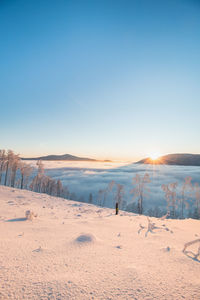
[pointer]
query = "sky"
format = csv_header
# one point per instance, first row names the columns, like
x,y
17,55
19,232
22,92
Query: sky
x,y
103,79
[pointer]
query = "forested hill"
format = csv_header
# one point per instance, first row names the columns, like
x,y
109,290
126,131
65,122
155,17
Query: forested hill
x,y
184,159
60,157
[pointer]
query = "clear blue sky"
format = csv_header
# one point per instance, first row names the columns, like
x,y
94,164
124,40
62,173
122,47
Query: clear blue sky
x,y
105,79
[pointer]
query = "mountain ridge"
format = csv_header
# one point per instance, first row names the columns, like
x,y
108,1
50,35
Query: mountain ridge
x,y
62,157
180,159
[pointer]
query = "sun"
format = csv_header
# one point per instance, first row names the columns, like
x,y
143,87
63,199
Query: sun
x,y
154,155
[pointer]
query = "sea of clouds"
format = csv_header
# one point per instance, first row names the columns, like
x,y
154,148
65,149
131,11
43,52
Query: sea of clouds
x,y
83,178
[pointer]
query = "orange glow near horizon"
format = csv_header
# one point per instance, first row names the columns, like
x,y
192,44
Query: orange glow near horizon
x,y
154,156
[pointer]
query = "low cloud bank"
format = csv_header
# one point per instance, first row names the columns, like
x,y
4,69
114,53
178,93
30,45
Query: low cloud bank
x,y
83,181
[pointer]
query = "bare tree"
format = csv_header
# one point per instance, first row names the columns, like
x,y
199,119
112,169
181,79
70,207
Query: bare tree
x,y
197,198
132,207
49,185
110,188
9,161
14,167
66,193
2,162
26,171
157,212
90,198
119,196
36,183
72,196
187,185
170,195
59,188
100,197
117,191
140,189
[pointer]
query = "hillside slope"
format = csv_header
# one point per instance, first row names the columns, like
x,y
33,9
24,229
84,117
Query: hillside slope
x,y
60,157
80,251
180,159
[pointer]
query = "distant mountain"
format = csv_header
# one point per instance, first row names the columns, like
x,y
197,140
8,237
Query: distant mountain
x,y
184,159
61,157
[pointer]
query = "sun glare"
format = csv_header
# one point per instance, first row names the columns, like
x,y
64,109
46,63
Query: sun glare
x,y
154,156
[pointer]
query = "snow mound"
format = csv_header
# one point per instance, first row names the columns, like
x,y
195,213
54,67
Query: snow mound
x,y
85,239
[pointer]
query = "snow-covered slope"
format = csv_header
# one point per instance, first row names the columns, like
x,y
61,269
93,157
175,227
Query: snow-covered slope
x,y
73,250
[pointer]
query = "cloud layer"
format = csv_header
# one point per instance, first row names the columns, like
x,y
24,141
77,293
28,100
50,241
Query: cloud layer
x,y
86,180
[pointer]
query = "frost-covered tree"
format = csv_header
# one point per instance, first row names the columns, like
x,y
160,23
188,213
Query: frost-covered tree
x,y
52,186
117,191
66,193
119,196
196,214
40,167
197,200
2,162
37,181
72,196
11,166
90,200
186,187
10,163
81,199
44,183
171,197
9,160
100,197
132,207
14,167
105,194
150,212
26,171
59,188
140,189
110,188
157,212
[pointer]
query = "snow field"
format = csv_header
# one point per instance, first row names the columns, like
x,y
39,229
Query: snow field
x,y
73,250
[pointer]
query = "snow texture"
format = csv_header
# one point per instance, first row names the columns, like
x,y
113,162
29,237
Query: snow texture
x,y
78,251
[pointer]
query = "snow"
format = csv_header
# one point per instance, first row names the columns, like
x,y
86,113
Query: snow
x,y
73,250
